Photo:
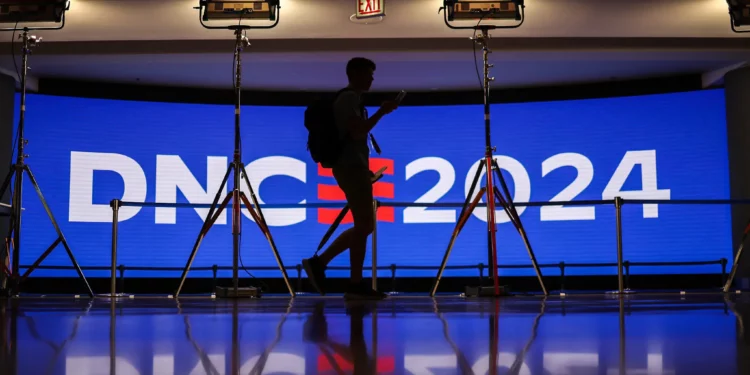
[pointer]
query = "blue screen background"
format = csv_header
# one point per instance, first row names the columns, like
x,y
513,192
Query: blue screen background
x,y
685,131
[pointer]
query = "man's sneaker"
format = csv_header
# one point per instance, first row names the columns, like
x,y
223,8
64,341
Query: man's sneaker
x,y
316,273
363,291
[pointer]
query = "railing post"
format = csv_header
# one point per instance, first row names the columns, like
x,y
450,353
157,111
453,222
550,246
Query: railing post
x,y
562,276
215,270
627,274
121,268
375,204
618,216
723,262
393,277
115,204
481,273
299,277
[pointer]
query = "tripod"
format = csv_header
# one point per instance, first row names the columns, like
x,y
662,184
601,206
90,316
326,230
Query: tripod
x,y
489,165
236,195
14,233
737,258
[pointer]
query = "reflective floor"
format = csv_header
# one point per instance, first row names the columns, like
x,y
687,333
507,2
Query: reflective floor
x,y
643,334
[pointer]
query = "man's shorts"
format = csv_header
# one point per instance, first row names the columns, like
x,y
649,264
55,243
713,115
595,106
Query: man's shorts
x,y
356,184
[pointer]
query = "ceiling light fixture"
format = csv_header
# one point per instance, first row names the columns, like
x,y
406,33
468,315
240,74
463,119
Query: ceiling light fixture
x,y
739,14
20,11
239,10
465,10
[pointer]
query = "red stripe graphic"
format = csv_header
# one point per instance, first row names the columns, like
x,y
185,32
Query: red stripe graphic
x,y
375,164
383,190
379,190
324,172
328,215
330,193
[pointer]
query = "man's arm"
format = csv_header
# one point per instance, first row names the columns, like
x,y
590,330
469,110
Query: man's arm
x,y
359,128
346,108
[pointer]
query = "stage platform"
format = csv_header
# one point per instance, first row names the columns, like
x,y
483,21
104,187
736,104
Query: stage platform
x,y
587,333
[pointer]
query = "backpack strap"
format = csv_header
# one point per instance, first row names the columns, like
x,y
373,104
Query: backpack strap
x,y
374,144
363,111
372,137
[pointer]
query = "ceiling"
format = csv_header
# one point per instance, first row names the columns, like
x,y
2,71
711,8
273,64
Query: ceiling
x,y
562,41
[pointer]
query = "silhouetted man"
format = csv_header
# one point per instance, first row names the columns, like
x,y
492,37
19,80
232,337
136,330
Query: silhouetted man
x,y
353,175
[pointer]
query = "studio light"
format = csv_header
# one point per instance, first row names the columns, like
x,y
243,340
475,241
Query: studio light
x,y
19,11
739,12
484,10
478,12
233,9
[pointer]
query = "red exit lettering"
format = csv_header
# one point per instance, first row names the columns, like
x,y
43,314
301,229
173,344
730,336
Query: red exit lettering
x,y
369,7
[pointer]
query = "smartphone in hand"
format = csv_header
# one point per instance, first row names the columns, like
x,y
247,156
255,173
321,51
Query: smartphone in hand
x,y
400,96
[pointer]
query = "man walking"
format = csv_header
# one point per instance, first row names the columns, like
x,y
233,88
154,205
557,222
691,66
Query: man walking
x,y
353,176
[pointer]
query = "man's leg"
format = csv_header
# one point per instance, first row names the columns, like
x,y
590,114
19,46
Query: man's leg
x,y
356,184
354,238
348,180
338,246
361,208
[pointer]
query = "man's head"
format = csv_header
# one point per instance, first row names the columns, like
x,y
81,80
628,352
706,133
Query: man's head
x,y
360,72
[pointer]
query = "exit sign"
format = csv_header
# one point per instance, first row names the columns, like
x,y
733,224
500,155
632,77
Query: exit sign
x,y
370,8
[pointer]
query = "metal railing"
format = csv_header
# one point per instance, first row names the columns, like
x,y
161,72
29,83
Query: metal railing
x,y
394,268
623,266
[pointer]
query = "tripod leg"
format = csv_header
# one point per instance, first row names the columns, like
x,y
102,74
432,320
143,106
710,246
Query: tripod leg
x,y
511,215
204,231
15,230
461,222
4,270
217,197
61,236
732,274
11,278
460,216
267,233
492,223
41,258
252,195
5,252
510,209
333,227
474,183
211,217
6,182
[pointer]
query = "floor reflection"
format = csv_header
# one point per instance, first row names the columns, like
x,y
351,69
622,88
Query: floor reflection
x,y
643,335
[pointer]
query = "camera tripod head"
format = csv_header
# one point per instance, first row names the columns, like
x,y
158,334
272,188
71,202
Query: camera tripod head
x,y
33,40
29,41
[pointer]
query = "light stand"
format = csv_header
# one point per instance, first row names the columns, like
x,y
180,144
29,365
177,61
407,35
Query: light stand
x,y
17,171
737,259
236,195
489,165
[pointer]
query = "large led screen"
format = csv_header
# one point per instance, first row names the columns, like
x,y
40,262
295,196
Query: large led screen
x,y
86,152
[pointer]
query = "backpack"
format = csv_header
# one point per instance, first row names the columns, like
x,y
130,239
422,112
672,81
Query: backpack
x,y
323,139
